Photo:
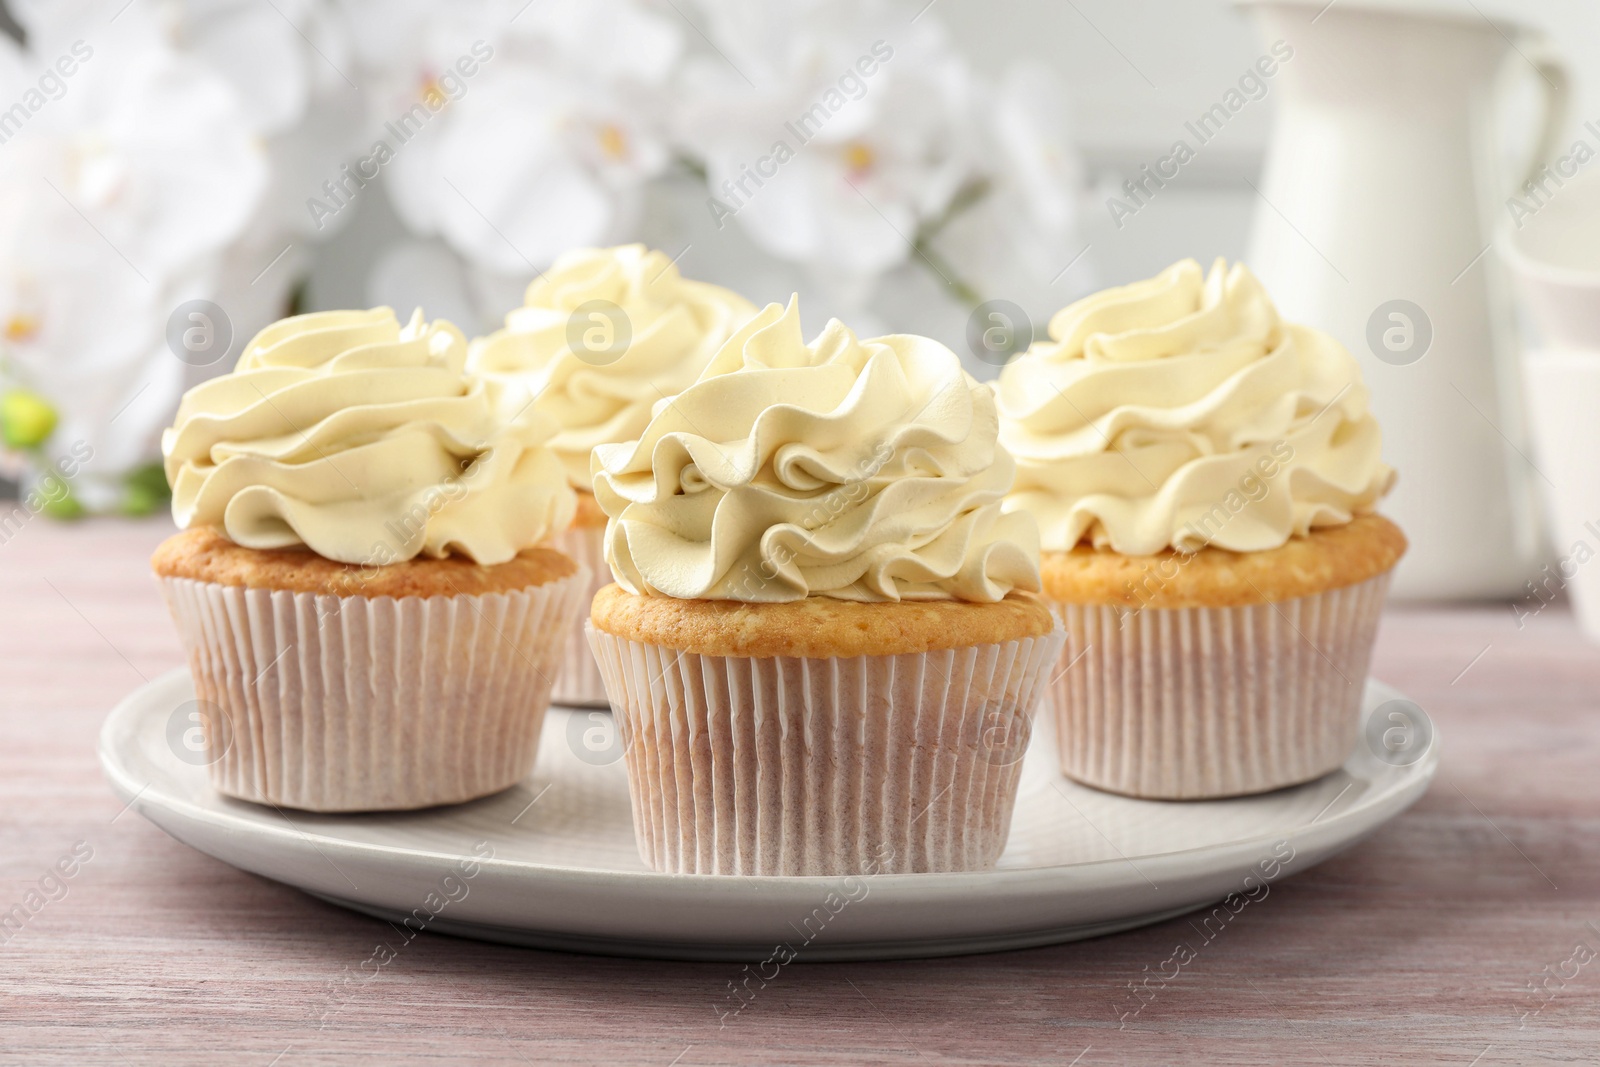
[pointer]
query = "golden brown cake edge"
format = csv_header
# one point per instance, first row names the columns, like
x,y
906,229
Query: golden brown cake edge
x,y
205,555
589,514
1330,557
817,627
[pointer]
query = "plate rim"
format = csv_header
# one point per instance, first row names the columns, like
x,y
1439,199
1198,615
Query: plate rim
x,y
1415,779
596,910
714,952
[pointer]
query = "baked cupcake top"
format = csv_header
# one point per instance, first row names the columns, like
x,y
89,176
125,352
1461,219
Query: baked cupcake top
x,y
365,441
858,470
603,335
1181,412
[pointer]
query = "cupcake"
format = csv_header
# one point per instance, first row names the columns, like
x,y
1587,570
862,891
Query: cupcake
x,y
820,646
603,335
1204,477
359,581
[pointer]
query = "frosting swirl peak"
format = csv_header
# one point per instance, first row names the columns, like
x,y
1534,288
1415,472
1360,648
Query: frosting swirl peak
x,y
1181,412
603,335
366,442
860,470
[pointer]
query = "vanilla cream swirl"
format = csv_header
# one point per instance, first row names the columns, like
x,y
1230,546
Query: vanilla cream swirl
x,y
860,470
366,442
1182,412
600,390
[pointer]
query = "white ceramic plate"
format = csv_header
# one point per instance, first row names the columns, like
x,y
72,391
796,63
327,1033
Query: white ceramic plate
x,y
565,875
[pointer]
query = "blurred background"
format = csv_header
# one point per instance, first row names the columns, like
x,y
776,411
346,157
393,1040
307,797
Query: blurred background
x,y
175,174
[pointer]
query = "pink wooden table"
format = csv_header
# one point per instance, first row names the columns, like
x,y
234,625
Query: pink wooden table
x,y
1420,945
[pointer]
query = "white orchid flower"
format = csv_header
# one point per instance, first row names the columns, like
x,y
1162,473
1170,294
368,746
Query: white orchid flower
x,y
1020,241
873,113
545,144
118,196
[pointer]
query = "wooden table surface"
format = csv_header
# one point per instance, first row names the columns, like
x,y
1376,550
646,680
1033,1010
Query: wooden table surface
x,y
1420,945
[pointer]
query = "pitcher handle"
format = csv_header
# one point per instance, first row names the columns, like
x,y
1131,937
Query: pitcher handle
x,y
1556,81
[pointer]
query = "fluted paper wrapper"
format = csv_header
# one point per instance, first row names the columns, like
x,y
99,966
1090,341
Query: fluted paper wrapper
x,y
1188,703
371,704
578,680
790,766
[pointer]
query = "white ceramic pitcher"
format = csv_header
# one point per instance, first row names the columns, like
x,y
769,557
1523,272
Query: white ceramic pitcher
x,y
1381,191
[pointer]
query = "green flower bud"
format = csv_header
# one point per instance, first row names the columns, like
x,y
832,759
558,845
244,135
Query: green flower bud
x,y
26,419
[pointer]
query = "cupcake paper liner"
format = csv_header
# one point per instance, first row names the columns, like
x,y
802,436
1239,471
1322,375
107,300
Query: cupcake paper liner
x,y
791,766
578,680
1188,703
355,704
